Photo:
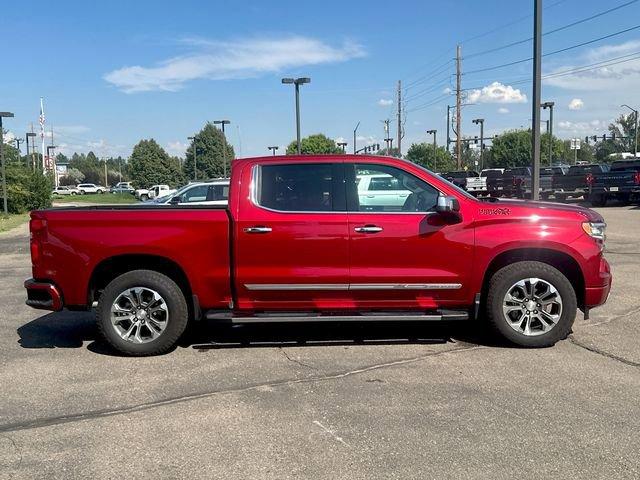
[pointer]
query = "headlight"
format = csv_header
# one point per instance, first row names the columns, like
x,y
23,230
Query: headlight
x,y
595,230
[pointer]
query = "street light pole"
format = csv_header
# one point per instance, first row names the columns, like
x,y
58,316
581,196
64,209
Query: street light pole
x,y
435,148
297,82
4,172
33,158
273,149
537,88
343,145
224,145
195,156
354,138
635,142
480,121
550,105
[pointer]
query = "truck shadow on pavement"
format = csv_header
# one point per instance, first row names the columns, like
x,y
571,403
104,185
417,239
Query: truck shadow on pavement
x,y
75,329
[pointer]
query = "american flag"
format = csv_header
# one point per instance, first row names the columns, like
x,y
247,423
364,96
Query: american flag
x,y
41,118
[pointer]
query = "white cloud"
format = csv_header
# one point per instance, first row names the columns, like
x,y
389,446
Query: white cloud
x,y
623,75
71,129
503,110
582,128
497,93
368,140
177,148
576,104
385,102
221,60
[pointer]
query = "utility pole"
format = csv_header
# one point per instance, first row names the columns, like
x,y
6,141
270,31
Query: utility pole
x,y
480,121
435,148
537,87
550,105
32,135
458,107
387,135
4,172
635,136
399,118
195,157
354,137
224,144
448,126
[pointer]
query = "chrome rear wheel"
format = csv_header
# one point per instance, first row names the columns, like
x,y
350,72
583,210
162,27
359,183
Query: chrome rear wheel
x,y
139,314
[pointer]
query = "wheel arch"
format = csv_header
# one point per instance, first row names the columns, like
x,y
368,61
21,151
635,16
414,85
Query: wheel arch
x,y
112,267
562,261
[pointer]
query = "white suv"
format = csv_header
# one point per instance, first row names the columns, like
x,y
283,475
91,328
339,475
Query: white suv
x,y
212,192
90,188
381,190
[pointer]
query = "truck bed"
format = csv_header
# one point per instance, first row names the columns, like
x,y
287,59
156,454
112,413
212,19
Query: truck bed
x,y
78,242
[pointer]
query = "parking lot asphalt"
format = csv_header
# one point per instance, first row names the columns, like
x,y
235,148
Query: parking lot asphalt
x,y
329,401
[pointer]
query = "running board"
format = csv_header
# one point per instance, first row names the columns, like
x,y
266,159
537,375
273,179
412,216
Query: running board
x,y
283,317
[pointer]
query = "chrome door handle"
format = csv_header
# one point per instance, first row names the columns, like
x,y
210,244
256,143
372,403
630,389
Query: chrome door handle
x,y
368,229
257,230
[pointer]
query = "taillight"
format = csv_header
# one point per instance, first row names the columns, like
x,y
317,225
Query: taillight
x,y
636,178
37,227
589,178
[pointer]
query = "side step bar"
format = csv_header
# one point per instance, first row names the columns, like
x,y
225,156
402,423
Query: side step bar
x,y
283,317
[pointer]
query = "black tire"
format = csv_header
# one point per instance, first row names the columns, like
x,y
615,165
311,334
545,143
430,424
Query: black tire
x,y
144,198
561,197
598,200
502,281
178,313
73,193
625,199
82,192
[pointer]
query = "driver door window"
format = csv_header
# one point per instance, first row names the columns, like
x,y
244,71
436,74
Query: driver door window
x,y
381,188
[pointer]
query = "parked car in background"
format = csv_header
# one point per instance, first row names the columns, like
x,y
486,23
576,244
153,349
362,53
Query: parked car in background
x,y
574,183
381,189
122,187
476,186
68,190
154,191
495,184
91,188
213,192
459,178
622,182
296,244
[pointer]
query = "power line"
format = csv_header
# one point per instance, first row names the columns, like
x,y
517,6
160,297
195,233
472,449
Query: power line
x,y
441,83
435,72
559,29
516,62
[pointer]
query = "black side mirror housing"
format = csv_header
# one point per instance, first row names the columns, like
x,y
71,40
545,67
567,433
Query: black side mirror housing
x,y
447,204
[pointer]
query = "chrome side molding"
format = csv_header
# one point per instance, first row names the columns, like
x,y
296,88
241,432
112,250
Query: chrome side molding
x,y
353,286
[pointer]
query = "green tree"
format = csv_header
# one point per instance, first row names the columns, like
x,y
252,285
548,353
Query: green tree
x,y
584,154
26,189
314,145
209,146
150,165
511,149
422,154
392,152
624,129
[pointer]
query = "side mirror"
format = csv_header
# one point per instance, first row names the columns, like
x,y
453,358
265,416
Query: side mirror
x,y
175,200
447,204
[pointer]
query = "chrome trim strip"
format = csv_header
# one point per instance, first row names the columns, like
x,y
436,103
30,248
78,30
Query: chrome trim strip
x,y
353,286
297,286
405,286
253,196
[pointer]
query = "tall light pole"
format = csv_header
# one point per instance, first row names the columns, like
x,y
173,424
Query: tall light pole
x,y
550,105
537,88
480,121
195,156
354,138
297,82
224,144
343,145
55,173
435,148
635,142
4,173
273,149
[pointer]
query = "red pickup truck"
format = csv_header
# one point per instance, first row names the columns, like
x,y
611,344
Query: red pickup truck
x,y
302,239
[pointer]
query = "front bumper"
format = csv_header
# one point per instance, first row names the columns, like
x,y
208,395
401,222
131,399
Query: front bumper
x,y
595,296
43,295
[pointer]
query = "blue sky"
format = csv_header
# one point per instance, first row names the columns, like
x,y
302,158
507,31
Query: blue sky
x,y
115,72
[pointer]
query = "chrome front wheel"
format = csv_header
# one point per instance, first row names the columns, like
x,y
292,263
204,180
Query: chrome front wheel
x,y
139,315
532,306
